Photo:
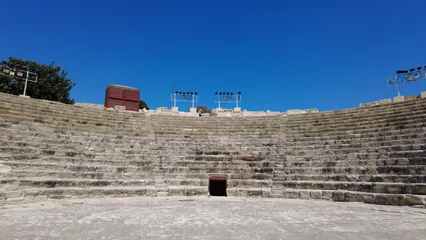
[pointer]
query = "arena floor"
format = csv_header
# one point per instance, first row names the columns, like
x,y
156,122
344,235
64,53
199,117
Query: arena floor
x,y
209,218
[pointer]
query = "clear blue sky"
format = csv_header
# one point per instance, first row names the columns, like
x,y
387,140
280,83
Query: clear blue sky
x,y
280,54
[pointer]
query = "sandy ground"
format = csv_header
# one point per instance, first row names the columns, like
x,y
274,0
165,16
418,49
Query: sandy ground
x,y
209,218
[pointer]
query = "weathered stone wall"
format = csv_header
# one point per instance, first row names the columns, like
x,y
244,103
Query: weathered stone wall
x,y
372,154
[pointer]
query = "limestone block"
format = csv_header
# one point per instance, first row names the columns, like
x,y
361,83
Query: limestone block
x,y
338,196
368,198
423,95
411,97
382,199
414,200
237,110
266,193
304,195
398,200
326,195
193,110
384,101
398,99
162,194
353,197
120,108
316,194
291,194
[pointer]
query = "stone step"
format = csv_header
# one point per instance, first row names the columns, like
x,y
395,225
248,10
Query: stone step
x,y
341,161
380,118
360,143
58,183
374,187
394,108
39,194
131,169
371,170
31,173
347,132
232,183
353,178
20,174
351,196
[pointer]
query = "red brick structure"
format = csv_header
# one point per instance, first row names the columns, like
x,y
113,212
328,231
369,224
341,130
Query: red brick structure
x,y
117,95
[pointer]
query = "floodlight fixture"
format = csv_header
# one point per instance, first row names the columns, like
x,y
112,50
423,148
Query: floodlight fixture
x,y
419,67
412,69
20,74
17,71
184,96
401,71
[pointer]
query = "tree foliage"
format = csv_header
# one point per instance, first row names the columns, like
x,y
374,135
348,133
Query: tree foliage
x,y
204,109
142,105
52,83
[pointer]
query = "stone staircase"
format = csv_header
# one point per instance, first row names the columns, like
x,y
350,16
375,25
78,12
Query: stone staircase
x,y
50,150
373,155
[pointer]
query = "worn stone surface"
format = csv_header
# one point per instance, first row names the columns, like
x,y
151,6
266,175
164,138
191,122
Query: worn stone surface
x,y
373,154
210,218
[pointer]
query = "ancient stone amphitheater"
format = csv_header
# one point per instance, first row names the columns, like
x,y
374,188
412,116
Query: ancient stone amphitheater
x,y
372,154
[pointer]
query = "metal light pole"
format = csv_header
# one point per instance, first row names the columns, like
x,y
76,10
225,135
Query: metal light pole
x,y
14,73
228,97
405,76
184,96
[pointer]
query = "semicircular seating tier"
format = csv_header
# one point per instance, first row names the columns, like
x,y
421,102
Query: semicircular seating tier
x,y
50,150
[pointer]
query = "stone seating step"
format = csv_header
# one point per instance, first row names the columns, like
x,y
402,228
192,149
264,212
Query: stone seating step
x,y
18,174
353,178
396,170
232,183
328,141
414,122
341,161
375,111
67,110
351,196
378,118
375,187
58,183
362,112
417,151
361,143
347,132
39,194
130,169
140,126
21,174
72,161
329,117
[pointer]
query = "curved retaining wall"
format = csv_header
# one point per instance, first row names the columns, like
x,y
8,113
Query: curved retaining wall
x,y
50,150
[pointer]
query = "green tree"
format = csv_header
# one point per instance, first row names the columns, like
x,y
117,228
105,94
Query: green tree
x,y
142,104
204,109
52,83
